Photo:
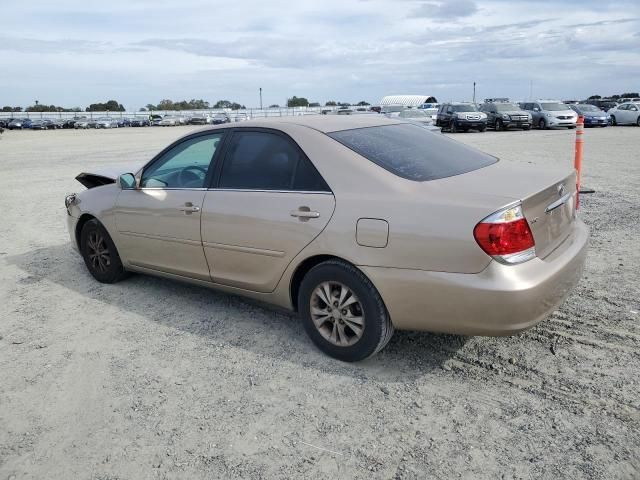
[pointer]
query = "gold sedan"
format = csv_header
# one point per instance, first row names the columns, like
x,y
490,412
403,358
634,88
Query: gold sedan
x,y
362,224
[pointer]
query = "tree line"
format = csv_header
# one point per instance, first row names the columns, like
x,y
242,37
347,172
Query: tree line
x,y
166,104
615,97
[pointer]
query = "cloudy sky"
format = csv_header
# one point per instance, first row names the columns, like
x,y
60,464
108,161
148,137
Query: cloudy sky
x,y
73,53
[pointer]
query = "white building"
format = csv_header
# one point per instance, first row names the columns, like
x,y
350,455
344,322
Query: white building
x,y
406,101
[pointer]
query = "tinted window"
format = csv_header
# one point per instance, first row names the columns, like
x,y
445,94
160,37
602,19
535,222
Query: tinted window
x,y
184,166
412,152
266,161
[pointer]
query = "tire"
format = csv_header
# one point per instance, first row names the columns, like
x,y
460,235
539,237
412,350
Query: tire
x,y
482,129
499,126
526,128
453,126
336,275
638,122
105,268
542,124
613,121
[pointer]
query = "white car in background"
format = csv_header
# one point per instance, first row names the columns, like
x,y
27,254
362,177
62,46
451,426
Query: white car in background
x,y
625,114
168,121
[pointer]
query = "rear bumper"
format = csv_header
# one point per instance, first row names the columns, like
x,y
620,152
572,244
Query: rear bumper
x,y
500,300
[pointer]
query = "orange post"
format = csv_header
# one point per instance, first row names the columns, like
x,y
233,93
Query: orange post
x,y
578,158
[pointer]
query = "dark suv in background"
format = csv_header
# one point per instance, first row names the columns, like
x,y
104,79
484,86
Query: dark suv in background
x,y
461,117
503,115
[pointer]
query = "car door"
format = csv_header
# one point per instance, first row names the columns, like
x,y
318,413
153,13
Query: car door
x,y
159,222
268,203
631,113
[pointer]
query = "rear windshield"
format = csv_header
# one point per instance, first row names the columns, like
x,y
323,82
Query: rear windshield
x,y
412,152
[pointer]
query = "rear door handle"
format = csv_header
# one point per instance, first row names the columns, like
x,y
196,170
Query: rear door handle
x,y
304,213
189,208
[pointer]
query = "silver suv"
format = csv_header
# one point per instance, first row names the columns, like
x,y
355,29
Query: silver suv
x,y
550,113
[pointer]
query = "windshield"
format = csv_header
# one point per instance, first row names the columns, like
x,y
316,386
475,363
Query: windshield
x,y
506,107
588,108
412,152
555,107
413,114
464,108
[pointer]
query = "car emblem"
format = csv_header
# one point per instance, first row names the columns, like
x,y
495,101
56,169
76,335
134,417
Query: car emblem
x,y
561,190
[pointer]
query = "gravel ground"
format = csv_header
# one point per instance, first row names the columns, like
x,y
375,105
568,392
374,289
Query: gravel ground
x,y
151,379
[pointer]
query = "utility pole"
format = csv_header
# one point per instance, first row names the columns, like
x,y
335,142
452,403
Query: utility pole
x,y
260,98
474,92
530,89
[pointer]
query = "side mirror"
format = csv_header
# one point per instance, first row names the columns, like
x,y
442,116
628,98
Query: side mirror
x,y
127,181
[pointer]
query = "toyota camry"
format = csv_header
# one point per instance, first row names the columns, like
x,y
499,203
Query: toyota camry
x,y
360,224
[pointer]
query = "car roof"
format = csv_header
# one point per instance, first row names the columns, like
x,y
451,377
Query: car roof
x,y
322,123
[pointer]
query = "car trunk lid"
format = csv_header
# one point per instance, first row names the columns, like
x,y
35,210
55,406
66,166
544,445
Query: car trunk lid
x,y
548,197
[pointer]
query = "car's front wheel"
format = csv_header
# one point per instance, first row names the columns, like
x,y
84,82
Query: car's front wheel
x,y
453,126
613,121
499,125
542,125
343,312
100,253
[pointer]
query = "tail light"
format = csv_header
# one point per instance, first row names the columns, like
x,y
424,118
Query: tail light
x,y
506,236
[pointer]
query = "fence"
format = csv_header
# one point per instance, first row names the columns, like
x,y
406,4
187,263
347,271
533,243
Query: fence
x,y
248,112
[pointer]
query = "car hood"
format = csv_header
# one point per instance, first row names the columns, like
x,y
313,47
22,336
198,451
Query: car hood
x,y
595,114
514,112
106,175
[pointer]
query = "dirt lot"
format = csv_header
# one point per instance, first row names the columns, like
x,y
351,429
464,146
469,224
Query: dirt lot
x,y
151,379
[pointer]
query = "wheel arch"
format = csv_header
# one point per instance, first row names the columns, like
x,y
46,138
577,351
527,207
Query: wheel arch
x,y
305,266
84,218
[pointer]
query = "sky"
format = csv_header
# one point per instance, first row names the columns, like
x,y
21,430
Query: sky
x,y
73,53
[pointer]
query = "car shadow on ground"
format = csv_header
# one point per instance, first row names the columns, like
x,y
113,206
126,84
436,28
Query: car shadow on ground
x,y
224,318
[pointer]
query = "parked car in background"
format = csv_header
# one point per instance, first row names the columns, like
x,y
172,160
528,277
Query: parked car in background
x,y
122,122
593,116
604,105
503,115
415,115
550,113
4,122
373,225
168,121
105,122
71,122
626,114
200,119
40,124
83,123
220,118
19,124
140,122
461,117
156,119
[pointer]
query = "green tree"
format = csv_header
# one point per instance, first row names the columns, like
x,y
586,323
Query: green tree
x,y
632,94
331,103
594,97
314,104
362,103
275,105
297,102
222,104
110,106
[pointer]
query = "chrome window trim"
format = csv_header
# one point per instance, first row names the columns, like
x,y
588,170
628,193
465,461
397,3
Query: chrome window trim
x,y
199,189
308,192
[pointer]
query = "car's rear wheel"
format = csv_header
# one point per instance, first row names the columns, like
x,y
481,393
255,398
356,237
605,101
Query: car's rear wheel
x,y
613,120
542,125
343,312
499,125
100,253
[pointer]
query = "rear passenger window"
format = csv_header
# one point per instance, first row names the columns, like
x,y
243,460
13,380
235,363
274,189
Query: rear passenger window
x,y
266,161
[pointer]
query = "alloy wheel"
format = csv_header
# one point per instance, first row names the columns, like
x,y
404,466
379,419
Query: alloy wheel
x,y
98,252
337,313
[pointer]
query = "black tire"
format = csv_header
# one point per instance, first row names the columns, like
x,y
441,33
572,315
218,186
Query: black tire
x,y
613,121
482,129
638,122
378,328
499,125
526,128
453,126
106,268
542,124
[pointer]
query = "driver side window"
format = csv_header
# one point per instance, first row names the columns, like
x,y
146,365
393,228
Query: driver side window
x,y
184,166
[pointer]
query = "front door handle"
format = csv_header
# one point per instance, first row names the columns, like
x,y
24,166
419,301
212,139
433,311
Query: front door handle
x,y
304,213
189,208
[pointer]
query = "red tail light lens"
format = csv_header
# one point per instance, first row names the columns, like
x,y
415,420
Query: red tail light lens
x,y
506,236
